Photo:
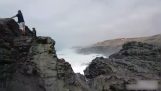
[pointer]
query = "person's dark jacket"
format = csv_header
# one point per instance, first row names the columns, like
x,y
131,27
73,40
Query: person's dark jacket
x,y
20,18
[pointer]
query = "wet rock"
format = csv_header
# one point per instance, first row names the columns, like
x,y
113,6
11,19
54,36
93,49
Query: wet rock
x,y
97,67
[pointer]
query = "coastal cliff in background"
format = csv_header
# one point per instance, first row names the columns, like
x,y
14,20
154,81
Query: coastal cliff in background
x,y
30,63
109,47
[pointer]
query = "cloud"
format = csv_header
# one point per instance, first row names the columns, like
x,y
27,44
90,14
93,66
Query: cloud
x,y
83,22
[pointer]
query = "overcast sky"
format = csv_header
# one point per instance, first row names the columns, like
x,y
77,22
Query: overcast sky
x,y
84,22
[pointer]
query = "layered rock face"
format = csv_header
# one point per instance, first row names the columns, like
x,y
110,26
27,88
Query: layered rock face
x,y
136,61
29,63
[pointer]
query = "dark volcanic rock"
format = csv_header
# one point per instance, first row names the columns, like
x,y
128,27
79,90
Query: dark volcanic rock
x,y
30,63
97,67
136,61
141,51
13,53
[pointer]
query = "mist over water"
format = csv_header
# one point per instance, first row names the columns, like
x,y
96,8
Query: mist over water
x,y
78,61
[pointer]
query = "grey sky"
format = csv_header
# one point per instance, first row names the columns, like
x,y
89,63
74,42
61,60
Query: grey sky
x,y
84,22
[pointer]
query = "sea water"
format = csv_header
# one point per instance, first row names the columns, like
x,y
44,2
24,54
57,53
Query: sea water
x,y
78,61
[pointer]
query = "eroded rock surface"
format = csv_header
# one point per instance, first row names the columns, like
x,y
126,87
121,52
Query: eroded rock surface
x,y
136,61
30,63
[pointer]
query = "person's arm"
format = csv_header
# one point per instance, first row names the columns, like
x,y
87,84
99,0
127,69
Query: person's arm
x,y
14,16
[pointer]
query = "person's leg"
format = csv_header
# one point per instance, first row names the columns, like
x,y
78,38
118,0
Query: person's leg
x,y
23,30
22,27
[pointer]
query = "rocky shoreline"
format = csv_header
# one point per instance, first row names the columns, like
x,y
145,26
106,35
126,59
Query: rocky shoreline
x,y
30,63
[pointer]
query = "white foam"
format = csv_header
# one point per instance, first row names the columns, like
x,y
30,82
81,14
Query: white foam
x,y
78,61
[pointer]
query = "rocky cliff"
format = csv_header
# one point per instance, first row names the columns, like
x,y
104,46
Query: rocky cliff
x,y
30,63
135,61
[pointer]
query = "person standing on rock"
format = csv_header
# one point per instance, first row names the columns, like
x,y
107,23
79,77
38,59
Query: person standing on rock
x,y
21,21
33,32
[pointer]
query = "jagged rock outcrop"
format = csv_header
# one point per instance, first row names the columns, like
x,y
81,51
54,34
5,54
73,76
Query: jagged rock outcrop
x,y
30,63
136,61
